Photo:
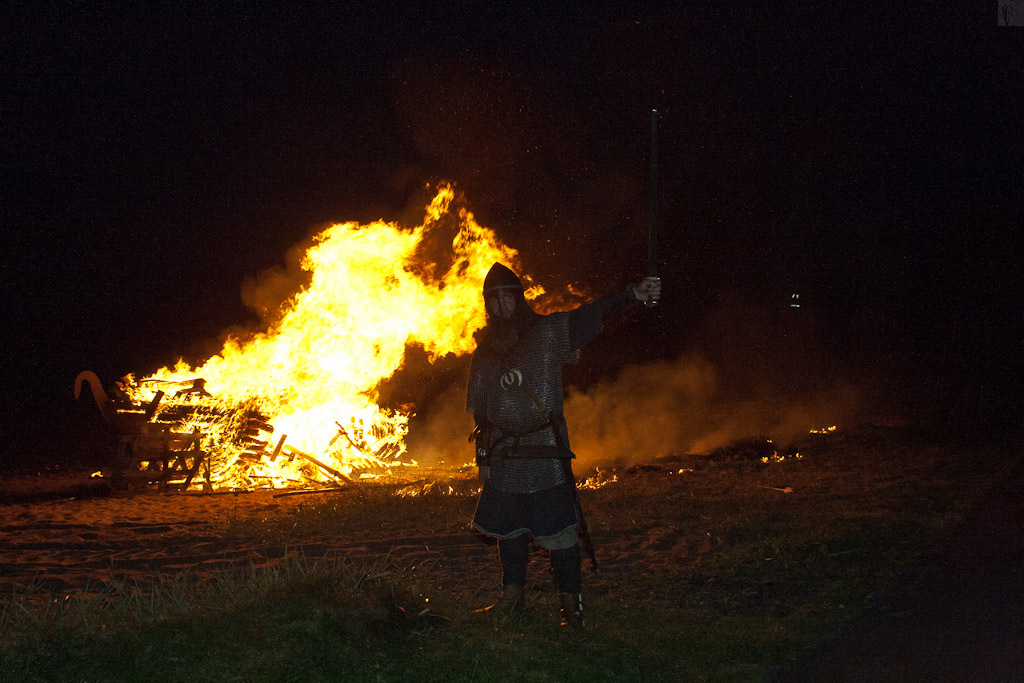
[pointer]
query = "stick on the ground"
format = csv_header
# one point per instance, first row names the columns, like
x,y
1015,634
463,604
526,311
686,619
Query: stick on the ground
x,y
326,468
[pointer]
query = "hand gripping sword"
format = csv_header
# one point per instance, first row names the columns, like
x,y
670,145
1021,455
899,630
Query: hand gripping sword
x,y
652,225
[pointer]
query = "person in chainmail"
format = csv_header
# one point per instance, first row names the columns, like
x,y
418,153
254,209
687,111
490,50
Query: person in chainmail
x,y
522,441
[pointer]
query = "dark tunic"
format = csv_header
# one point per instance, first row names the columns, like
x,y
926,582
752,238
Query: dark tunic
x,y
530,484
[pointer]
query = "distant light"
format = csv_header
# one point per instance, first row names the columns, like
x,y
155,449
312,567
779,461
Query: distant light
x,y
794,301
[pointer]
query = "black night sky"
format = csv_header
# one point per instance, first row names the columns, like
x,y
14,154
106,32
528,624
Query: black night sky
x,y
868,160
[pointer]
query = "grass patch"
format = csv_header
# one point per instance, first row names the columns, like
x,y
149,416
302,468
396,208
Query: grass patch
x,y
295,620
713,572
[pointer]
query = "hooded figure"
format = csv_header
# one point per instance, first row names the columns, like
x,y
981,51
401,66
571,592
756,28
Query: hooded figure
x,y
504,291
515,396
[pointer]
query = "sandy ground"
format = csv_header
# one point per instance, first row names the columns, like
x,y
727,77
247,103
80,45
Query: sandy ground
x,y
65,533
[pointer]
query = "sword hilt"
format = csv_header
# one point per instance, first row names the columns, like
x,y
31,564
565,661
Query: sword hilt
x,y
652,303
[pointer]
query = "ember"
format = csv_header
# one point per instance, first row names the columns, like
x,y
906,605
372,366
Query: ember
x,y
599,479
297,404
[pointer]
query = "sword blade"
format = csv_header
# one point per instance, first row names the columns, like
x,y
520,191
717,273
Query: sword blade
x,y
653,213
652,225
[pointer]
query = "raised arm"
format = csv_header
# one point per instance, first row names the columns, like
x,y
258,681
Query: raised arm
x,y
585,321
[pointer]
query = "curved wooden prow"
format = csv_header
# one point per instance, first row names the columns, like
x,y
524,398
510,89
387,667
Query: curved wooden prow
x,y
102,400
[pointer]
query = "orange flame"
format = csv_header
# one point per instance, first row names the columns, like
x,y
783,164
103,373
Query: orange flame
x,y
313,374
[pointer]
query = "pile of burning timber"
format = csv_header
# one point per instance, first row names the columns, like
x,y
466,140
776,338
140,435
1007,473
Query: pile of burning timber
x,y
179,440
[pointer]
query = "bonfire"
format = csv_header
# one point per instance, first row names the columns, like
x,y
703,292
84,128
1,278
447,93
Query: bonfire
x,y
297,404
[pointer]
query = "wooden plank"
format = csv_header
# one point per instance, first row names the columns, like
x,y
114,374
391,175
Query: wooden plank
x,y
277,448
152,406
326,468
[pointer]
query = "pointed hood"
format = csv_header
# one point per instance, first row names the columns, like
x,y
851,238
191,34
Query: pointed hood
x,y
499,277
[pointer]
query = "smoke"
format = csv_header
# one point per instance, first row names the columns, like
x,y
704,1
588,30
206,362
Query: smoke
x,y
643,412
267,293
651,410
441,438
679,406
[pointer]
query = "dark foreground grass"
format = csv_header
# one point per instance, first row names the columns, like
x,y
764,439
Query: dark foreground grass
x,y
315,626
714,573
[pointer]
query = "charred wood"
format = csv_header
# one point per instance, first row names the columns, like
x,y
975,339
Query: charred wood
x,y
333,489
198,388
153,405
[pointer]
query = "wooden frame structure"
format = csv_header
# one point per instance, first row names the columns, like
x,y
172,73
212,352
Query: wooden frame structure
x,y
168,459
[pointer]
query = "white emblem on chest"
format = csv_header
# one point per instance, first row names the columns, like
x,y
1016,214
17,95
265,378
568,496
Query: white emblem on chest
x,y
512,378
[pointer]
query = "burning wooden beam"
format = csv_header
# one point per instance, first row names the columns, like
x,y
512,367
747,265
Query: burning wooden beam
x,y
152,406
326,468
277,448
